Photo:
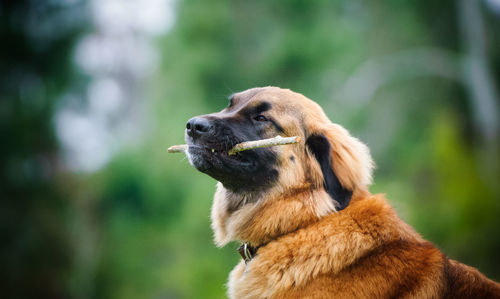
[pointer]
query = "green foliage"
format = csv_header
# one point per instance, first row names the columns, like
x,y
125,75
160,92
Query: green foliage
x,y
35,69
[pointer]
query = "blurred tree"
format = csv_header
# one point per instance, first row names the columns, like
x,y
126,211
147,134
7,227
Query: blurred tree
x,y
35,67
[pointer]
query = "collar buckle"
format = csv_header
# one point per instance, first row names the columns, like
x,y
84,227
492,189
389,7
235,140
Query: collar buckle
x,y
247,252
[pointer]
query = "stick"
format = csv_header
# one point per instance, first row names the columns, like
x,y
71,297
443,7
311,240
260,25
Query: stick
x,y
247,145
178,148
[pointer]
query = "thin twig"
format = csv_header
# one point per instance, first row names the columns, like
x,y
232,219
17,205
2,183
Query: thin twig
x,y
248,145
178,148
244,146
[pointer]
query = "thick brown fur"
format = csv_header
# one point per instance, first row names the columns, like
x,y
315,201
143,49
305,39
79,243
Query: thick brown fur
x,y
308,249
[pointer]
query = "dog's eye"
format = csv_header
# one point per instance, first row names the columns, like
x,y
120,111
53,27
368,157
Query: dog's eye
x,y
260,118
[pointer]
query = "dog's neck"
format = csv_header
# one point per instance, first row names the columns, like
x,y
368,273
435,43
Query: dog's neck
x,y
267,218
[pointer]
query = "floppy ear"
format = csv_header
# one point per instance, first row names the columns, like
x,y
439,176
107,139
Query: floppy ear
x,y
345,162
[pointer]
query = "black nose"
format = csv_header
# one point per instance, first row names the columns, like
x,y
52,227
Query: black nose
x,y
197,126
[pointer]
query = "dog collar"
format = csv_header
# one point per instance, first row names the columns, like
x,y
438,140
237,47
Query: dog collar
x,y
247,251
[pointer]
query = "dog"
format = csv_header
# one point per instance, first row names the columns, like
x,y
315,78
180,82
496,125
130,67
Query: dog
x,y
308,225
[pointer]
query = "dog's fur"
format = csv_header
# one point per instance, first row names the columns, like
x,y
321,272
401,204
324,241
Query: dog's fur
x,y
320,233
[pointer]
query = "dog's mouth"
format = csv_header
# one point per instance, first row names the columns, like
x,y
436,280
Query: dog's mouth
x,y
205,157
243,171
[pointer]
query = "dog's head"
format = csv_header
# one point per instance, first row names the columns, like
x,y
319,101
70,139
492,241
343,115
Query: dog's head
x,y
328,157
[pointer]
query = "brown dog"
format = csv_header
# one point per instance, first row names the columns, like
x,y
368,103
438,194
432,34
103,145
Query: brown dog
x,y
310,227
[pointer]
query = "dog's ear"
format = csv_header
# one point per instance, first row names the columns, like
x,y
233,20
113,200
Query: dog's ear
x,y
345,162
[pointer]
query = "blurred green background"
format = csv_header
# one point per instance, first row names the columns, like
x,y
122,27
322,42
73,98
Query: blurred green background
x,y
93,92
